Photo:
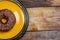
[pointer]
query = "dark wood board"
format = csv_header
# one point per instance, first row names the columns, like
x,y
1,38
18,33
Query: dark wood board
x,y
42,35
40,3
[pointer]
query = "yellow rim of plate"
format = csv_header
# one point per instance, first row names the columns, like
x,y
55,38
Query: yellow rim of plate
x,y
17,11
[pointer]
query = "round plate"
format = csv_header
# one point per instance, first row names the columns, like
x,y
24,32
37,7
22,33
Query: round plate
x,y
22,19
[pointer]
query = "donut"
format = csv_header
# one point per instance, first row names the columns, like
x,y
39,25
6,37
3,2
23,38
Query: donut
x,y
7,20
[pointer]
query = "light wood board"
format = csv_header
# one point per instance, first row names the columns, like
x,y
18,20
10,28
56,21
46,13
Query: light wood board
x,y
44,18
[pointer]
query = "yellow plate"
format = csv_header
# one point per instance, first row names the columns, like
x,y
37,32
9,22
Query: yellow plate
x,y
19,19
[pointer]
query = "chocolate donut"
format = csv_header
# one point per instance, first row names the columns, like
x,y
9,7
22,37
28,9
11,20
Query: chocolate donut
x,y
7,20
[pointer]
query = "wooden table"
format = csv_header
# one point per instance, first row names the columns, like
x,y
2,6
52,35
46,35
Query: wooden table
x,y
44,21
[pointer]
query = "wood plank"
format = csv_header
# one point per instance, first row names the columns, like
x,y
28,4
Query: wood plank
x,y
40,3
42,35
44,18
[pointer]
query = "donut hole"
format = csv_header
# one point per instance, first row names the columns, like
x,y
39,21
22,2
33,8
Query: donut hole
x,y
4,20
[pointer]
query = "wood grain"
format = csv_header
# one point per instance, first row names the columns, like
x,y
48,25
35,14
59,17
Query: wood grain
x,y
44,18
42,35
40,3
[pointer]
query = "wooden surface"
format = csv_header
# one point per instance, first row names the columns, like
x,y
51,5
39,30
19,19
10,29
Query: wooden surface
x,y
40,3
42,35
44,18
45,15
